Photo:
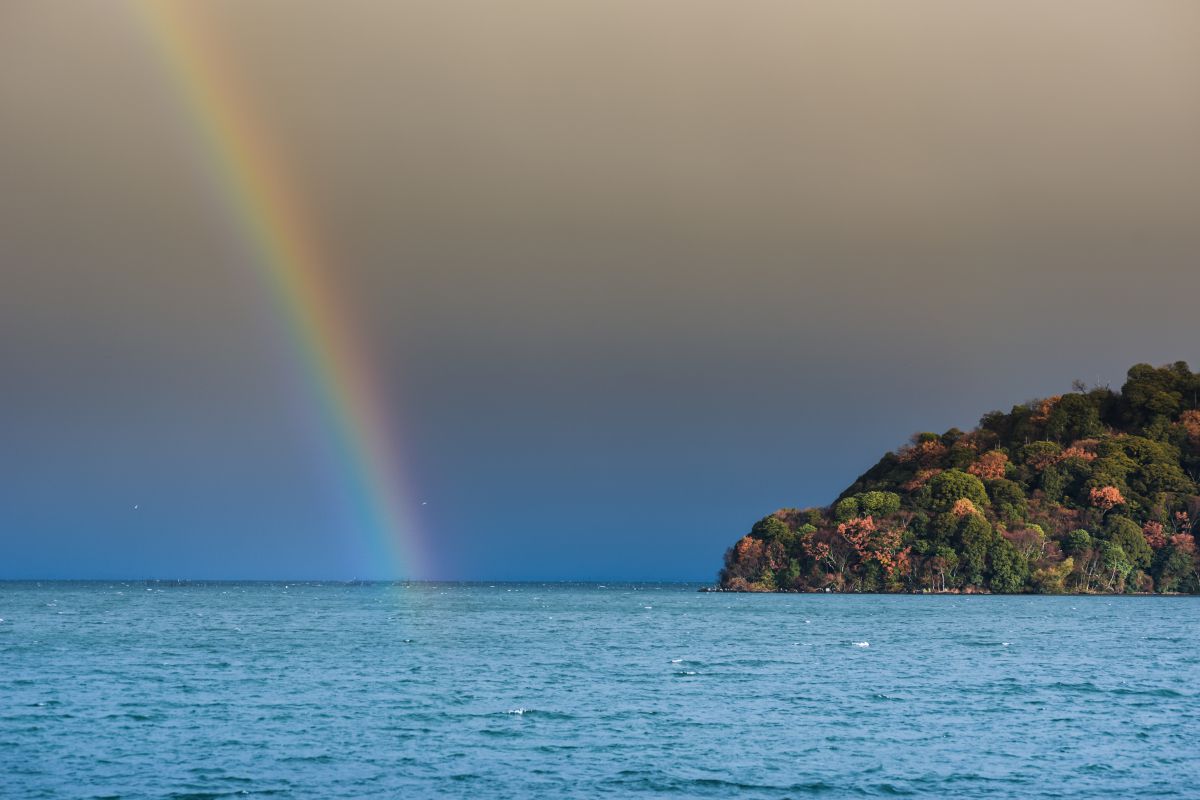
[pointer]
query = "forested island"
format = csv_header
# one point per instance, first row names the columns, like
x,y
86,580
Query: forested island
x,y
1094,491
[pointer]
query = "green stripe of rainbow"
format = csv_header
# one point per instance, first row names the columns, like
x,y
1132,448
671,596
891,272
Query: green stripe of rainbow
x,y
291,262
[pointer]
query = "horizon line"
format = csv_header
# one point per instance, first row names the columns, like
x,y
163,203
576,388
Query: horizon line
x,y
358,581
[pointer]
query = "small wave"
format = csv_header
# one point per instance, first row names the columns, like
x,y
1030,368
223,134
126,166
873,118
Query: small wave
x,y
1086,687
508,733
1148,692
862,644
981,643
463,777
812,787
1097,768
521,711
322,758
659,783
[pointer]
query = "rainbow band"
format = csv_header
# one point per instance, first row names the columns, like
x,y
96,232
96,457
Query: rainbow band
x,y
291,262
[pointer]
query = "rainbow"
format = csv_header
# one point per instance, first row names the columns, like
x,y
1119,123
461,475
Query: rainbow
x,y
291,262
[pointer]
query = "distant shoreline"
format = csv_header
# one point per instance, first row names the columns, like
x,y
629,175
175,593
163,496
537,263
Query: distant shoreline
x,y
719,590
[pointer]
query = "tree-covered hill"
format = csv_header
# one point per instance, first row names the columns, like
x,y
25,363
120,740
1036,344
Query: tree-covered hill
x,y
1092,491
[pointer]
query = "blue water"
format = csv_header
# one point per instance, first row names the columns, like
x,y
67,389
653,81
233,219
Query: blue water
x,y
527,691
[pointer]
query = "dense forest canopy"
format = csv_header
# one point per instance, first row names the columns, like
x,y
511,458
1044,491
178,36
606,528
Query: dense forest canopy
x,y
1091,491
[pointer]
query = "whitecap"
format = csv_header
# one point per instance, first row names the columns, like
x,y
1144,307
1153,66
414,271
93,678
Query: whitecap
x,y
517,711
862,644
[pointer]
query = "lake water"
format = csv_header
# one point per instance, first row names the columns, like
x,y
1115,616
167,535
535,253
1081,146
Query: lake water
x,y
530,691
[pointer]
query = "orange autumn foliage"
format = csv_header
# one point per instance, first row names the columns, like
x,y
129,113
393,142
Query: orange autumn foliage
x,y
879,544
920,479
927,452
1044,408
1153,531
990,466
1106,497
749,549
963,508
1075,451
1184,542
1190,420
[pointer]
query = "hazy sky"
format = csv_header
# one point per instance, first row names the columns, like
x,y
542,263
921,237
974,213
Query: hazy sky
x,y
634,273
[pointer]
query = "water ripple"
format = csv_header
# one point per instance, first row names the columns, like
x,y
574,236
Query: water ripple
x,y
108,690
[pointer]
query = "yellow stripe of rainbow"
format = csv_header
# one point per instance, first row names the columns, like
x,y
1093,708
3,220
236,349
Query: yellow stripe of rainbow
x,y
291,261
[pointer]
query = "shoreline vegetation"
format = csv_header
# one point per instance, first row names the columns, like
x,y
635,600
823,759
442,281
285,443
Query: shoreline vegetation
x,y
1092,492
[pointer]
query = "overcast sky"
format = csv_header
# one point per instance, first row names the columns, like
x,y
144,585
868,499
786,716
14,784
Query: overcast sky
x,y
634,274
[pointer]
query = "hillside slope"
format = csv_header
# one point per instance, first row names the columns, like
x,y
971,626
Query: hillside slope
x,y
1092,491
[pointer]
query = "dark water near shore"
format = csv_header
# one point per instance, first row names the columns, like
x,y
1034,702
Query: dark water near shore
x,y
516,691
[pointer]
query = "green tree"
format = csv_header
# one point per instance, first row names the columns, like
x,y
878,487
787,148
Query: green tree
x,y
1010,570
766,581
1052,580
1077,543
949,487
771,529
879,504
846,509
1038,455
1151,392
1116,564
1054,484
1075,416
975,536
1008,498
943,568
791,577
1128,535
1172,566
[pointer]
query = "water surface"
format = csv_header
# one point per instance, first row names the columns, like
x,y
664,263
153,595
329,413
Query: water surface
x,y
517,691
